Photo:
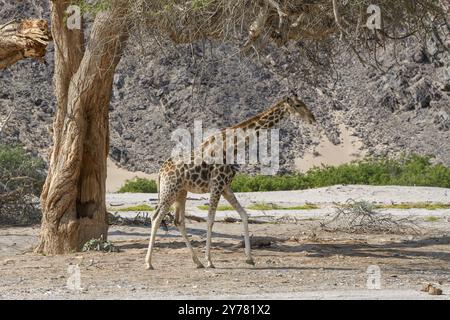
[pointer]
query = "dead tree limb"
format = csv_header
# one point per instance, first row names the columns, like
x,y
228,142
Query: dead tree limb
x,y
23,39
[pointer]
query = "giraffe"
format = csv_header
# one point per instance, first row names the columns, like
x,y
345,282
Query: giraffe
x,y
176,179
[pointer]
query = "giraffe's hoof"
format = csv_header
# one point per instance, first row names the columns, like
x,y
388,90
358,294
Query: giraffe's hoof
x,y
200,266
250,261
210,265
148,267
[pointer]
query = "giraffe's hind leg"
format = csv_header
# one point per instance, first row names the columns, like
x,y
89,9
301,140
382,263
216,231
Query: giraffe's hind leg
x,y
180,223
231,198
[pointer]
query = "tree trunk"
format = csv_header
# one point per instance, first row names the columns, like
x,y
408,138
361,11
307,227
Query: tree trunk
x,y
73,197
20,40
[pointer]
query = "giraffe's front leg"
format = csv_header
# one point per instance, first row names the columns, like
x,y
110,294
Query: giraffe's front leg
x,y
214,200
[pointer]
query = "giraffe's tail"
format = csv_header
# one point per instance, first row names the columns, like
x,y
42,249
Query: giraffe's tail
x,y
155,213
158,179
157,209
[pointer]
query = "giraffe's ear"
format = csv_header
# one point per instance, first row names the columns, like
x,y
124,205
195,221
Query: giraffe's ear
x,y
287,100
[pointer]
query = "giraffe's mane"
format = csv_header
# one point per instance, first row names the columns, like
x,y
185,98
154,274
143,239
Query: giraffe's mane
x,y
258,116
210,139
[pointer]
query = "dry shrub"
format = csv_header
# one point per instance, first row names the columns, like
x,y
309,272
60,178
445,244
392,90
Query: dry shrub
x,y
362,217
141,219
21,179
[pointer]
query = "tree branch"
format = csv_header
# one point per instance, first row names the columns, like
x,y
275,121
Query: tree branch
x,y
281,14
5,121
337,17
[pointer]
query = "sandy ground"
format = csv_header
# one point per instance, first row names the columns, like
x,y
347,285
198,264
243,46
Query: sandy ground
x,y
296,260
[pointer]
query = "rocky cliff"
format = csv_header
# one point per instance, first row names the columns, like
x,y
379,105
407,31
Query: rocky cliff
x,y
159,87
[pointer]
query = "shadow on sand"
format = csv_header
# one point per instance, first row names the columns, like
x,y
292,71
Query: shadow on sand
x,y
408,249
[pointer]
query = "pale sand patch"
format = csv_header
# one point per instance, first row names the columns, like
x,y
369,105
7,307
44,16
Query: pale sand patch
x,y
116,176
325,195
326,153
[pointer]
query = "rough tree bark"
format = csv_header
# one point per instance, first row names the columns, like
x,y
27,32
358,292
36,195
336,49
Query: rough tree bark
x,y
23,39
73,197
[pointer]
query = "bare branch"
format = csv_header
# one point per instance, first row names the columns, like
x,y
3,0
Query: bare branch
x,y
4,122
337,17
281,14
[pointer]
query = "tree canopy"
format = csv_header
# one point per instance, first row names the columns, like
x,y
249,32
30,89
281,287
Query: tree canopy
x,y
258,22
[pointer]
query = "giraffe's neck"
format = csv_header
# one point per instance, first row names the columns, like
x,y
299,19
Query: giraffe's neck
x,y
264,120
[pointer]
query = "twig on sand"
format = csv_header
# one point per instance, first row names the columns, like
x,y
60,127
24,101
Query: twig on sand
x,y
195,218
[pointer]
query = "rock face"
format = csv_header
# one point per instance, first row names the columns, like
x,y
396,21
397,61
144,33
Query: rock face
x,y
405,108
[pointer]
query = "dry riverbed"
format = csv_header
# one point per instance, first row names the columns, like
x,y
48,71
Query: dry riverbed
x,y
294,257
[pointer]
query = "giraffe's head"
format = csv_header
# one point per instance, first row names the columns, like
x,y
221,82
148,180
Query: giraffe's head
x,y
299,109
